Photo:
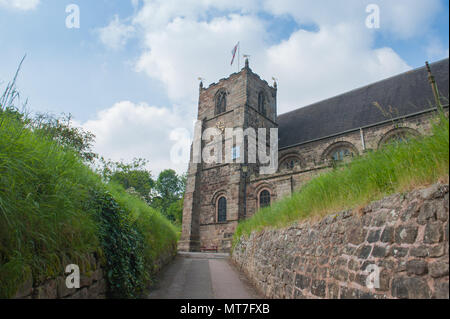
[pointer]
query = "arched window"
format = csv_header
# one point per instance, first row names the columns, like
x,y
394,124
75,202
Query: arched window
x,y
221,103
399,135
340,154
290,163
222,210
264,199
398,138
262,103
340,151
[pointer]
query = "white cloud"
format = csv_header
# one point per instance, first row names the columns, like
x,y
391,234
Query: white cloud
x,y
312,66
128,130
20,4
399,18
187,49
116,34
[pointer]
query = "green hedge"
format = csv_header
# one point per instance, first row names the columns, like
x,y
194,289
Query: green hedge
x,y
55,211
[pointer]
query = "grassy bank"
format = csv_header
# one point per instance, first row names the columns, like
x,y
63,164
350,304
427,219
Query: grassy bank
x,y
55,211
395,168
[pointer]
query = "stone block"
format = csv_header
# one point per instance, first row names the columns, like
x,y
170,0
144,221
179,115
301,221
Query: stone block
x,y
379,251
427,213
437,251
398,252
374,236
442,210
439,269
411,212
416,267
302,282
298,294
25,289
349,293
62,289
385,278
363,252
388,235
333,291
47,290
420,251
433,233
406,234
441,290
431,192
318,288
356,234
410,288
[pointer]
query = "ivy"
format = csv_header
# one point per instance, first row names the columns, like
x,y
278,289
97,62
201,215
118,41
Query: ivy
x,y
123,246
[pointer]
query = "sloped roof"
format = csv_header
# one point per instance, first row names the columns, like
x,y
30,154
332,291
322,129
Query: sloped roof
x,y
407,93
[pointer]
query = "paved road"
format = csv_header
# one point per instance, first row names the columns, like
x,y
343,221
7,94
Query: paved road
x,y
202,276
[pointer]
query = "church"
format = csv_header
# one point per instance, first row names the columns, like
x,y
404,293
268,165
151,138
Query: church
x,y
311,140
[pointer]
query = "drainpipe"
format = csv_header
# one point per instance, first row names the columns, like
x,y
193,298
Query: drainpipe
x,y
245,174
292,185
363,142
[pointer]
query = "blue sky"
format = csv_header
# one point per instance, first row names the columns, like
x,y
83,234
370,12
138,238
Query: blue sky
x,y
69,69
139,59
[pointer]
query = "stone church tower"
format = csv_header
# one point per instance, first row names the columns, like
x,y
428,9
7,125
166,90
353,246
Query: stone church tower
x,y
214,199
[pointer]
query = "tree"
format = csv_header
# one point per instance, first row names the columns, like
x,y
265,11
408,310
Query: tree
x,y
65,134
175,212
130,175
168,193
169,184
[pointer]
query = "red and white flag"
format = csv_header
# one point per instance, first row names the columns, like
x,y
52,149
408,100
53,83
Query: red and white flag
x,y
233,52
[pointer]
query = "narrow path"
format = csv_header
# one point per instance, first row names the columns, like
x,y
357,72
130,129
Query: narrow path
x,y
202,276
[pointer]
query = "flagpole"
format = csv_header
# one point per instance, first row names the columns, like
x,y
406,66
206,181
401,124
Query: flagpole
x,y
239,56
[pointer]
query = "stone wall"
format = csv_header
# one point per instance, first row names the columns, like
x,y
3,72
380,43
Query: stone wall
x,y
93,284
406,236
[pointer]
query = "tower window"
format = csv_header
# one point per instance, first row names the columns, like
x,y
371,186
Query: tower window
x,y
264,199
221,103
222,210
262,103
236,152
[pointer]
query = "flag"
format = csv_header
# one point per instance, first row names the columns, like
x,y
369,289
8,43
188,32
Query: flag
x,y
233,52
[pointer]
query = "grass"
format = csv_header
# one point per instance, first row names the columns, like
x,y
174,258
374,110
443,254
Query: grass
x,y
395,168
44,223
47,216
